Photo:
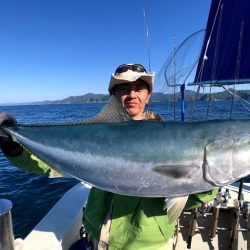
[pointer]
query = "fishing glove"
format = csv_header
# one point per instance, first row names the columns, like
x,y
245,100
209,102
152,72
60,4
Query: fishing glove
x,y
8,146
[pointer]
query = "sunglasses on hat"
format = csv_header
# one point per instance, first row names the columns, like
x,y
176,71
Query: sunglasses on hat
x,y
134,67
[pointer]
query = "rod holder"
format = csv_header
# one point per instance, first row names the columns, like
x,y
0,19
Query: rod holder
x,y
6,229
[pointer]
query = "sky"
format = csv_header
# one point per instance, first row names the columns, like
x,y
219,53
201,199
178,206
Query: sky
x,y
53,49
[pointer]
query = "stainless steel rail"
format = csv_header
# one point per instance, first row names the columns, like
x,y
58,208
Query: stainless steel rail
x,y
6,230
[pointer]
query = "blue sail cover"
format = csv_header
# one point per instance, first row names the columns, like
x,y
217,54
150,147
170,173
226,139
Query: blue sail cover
x,y
227,44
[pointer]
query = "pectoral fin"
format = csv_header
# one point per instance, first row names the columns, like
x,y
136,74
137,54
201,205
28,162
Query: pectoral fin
x,y
175,171
174,207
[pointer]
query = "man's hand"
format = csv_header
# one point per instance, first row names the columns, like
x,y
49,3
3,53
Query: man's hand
x,y
6,119
8,146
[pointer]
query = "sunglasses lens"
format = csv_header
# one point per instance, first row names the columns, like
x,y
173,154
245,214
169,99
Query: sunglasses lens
x,y
122,68
134,67
138,68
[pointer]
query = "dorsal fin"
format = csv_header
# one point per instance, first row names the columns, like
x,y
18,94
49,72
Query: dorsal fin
x,y
113,111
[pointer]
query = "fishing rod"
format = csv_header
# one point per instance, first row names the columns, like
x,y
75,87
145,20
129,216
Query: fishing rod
x,y
147,37
236,215
192,227
222,197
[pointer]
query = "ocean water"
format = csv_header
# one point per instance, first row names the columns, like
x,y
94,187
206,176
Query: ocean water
x,y
33,196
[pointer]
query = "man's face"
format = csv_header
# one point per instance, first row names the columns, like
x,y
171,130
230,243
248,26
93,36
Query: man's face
x,y
133,96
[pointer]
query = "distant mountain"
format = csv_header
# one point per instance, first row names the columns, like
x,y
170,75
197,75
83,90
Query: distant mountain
x,y
87,98
192,95
225,95
156,97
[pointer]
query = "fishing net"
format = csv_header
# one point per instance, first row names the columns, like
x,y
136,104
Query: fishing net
x,y
181,64
178,69
202,102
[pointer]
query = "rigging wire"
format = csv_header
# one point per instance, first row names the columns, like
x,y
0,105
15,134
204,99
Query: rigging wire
x,y
242,101
200,73
209,103
215,60
232,102
208,42
237,71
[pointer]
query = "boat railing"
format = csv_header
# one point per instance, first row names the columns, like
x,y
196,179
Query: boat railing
x,y
6,229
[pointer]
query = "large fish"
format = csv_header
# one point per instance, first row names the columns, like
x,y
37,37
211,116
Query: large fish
x,y
142,158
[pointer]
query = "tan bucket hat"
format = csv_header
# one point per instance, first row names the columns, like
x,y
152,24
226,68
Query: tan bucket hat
x,y
131,76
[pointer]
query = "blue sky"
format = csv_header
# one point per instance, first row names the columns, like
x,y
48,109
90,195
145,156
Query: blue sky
x,y
52,49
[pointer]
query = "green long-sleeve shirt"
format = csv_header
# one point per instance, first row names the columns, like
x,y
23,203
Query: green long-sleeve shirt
x,y
137,223
32,164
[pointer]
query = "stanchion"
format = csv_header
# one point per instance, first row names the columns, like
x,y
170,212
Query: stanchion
x,y
6,230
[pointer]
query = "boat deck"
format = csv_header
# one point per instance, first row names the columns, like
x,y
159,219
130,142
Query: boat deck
x,y
231,232
57,231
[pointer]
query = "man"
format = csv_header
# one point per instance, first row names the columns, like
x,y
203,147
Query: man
x,y
124,222
115,221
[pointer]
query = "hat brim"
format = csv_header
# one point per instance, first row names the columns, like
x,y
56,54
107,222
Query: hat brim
x,y
117,80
